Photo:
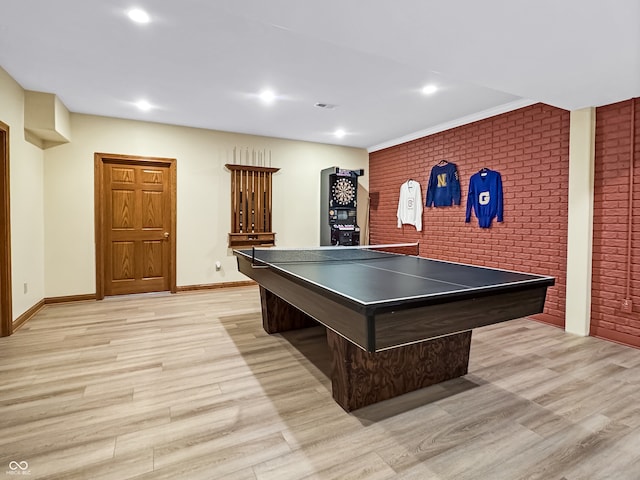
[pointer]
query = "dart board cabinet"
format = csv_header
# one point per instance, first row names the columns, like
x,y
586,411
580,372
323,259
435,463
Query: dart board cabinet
x,y
339,201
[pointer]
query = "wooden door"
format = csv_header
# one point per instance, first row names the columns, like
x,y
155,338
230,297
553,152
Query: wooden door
x,y
6,321
137,217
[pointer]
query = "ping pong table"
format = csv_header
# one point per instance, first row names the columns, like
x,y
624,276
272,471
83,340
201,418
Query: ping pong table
x,y
395,322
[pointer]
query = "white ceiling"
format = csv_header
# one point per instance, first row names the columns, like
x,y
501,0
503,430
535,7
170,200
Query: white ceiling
x,y
201,63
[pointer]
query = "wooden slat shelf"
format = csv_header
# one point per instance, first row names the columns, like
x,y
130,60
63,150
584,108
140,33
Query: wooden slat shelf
x,y
262,239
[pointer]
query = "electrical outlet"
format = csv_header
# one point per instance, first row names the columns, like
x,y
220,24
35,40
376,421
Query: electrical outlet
x,y
627,306
25,287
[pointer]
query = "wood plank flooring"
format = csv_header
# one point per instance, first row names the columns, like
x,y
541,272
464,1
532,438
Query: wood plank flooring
x,y
189,386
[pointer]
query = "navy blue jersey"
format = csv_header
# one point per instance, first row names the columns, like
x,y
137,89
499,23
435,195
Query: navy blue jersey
x,y
444,186
485,197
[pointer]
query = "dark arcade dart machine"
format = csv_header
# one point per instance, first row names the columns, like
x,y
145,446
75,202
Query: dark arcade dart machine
x,y
338,204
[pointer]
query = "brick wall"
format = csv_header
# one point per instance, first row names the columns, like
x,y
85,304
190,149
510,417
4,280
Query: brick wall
x,y
610,229
530,148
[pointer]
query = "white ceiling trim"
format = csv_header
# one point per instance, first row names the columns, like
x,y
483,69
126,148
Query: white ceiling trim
x,y
490,112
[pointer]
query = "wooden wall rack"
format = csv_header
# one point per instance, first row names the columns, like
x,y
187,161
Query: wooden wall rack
x,y
251,204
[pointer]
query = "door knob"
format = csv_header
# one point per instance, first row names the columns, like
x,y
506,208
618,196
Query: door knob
x,y
166,234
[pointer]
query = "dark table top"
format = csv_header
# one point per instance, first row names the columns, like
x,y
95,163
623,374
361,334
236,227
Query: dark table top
x,y
375,278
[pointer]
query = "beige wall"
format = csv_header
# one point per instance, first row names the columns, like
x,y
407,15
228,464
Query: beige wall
x,y
580,222
203,216
27,216
52,196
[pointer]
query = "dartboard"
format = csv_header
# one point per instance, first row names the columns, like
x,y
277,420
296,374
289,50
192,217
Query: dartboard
x,y
343,191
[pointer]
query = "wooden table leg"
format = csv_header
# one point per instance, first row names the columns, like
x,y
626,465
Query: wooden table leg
x,y
360,378
280,316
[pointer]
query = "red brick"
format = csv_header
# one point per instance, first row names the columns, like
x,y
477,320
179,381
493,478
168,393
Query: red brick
x,y
533,236
611,205
530,148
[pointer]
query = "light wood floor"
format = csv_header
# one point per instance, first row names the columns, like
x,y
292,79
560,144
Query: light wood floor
x,y
189,386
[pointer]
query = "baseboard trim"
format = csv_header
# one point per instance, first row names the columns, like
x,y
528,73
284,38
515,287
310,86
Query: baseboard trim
x,y
26,316
615,336
213,286
549,320
70,298
184,288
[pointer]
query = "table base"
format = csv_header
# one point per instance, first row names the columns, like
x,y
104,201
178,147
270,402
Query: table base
x,y
360,378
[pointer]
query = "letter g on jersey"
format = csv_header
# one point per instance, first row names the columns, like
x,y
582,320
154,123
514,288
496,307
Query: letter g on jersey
x,y
484,198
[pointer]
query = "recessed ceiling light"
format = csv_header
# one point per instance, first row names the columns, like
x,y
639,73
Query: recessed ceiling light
x,y
267,96
340,133
138,15
143,105
429,89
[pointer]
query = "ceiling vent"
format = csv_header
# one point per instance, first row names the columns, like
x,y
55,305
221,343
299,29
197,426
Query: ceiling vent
x,y
327,106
